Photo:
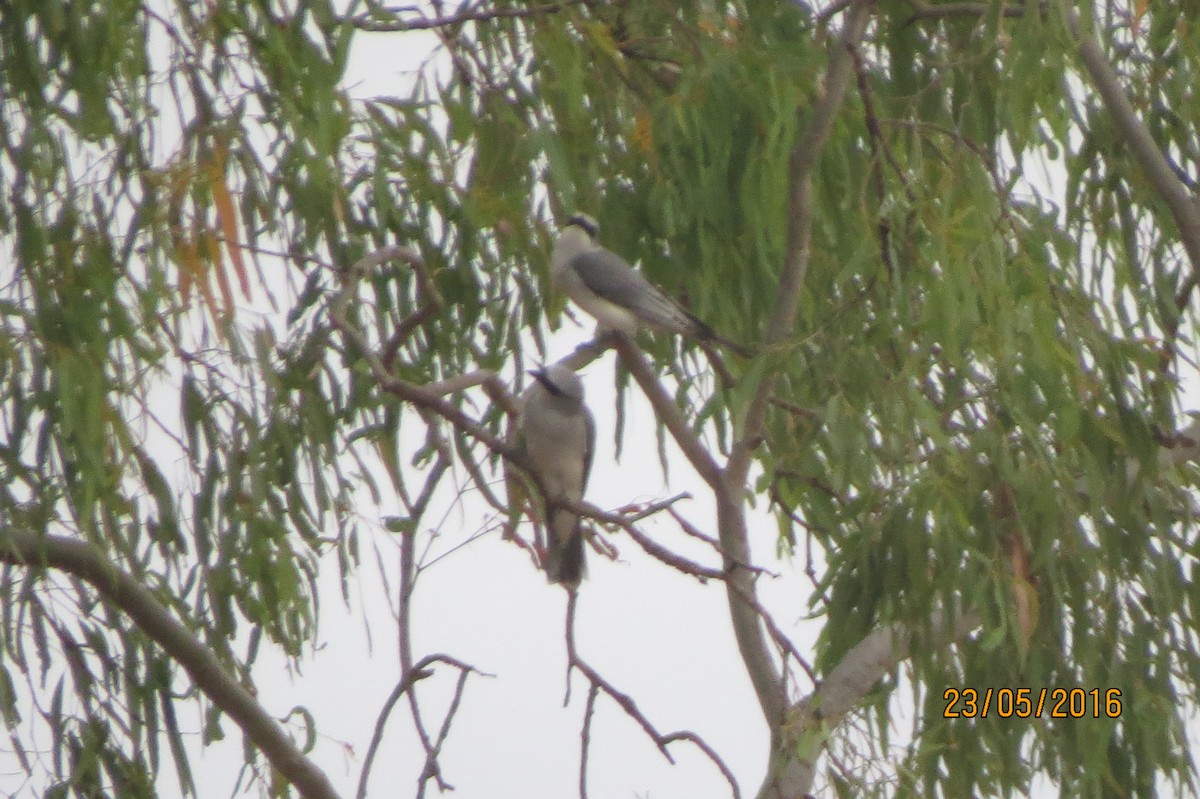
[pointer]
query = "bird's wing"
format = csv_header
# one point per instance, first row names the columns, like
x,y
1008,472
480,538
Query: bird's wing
x,y
590,450
608,276
516,483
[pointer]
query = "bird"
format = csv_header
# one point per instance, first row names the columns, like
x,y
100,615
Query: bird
x,y
557,434
604,284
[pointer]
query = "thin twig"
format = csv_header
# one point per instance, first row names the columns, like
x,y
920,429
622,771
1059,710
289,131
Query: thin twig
x,y
419,672
923,10
677,562
782,641
585,738
430,305
626,703
366,23
744,564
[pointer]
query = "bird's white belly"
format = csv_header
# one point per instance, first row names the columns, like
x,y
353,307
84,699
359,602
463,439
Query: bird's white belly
x,y
607,313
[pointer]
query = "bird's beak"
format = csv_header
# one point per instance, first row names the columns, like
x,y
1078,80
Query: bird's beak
x,y
540,376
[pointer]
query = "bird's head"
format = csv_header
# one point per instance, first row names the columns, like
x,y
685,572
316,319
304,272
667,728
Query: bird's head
x,y
560,381
585,223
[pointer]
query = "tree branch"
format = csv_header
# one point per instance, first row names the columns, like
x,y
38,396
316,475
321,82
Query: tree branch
x,y
1145,150
804,157
87,562
813,719
668,412
878,653
411,676
366,23
753,645
597,684
744,607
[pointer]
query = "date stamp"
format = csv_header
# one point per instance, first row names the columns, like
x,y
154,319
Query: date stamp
x,y
1059,703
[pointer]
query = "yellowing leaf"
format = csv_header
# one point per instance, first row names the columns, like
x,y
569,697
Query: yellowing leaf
x,y
213,249
226,217
643,131
1139,11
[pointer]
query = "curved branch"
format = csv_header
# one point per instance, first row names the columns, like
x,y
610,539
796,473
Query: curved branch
x,y
87,562
1149,156
804,157
410,679
752,641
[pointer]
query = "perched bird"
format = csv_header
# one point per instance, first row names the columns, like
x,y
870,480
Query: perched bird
x,y
607,287
557,433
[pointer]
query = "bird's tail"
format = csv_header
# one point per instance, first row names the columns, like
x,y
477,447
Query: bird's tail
x,y
702,331
741,350
564,549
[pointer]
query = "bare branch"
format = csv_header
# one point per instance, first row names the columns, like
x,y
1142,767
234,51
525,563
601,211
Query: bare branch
x,y
87,562
432,769
408,579
419,672
651,508
731,521
777,635
626,703
479,377
589,351
692,531
702,745
585,738
677,562
878,653
741,596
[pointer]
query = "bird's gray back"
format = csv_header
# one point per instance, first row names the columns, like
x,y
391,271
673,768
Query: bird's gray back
x,y
608,275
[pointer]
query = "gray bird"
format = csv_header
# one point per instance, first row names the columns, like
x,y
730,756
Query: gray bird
x,y
557,432
618,296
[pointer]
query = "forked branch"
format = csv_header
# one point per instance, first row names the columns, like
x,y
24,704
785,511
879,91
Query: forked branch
x,y
597,684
